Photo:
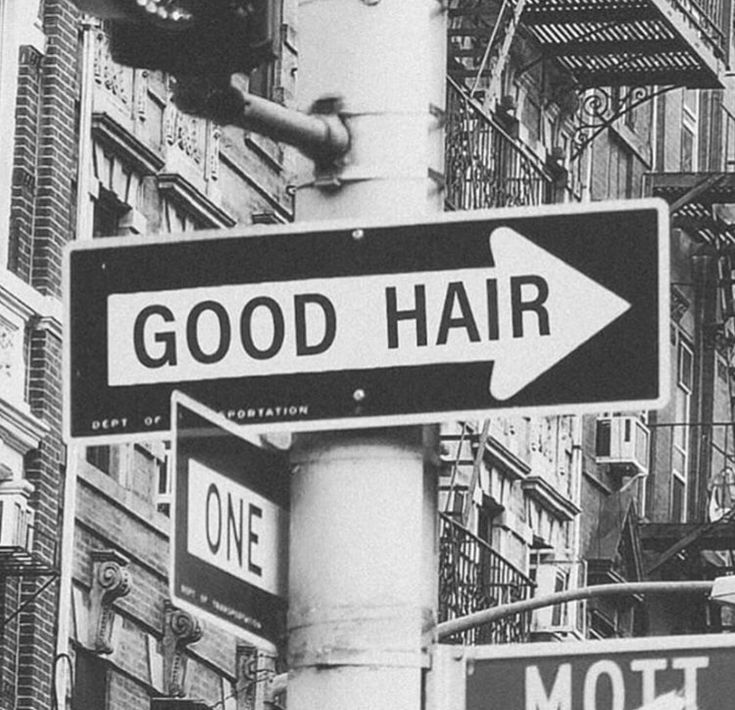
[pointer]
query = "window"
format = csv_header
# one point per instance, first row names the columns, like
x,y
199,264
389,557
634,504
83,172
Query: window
x,y
100,457
163,491
680,438
455,504
108,211
689,130
261,80
90,682
559,611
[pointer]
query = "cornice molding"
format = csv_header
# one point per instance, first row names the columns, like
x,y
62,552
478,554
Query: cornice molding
x,y
182,193
20,430
504,458
549,498
107,131
23,300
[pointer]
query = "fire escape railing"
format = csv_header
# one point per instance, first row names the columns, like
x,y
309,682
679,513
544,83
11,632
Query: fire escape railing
x,y
709,17
485,166
473,576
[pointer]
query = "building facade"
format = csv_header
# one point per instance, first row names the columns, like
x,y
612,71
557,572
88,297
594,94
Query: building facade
x,y
580,102
96,149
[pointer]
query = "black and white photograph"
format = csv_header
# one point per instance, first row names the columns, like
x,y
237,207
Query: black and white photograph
x,y
367,354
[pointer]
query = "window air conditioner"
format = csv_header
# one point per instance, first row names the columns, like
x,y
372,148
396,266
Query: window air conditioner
x,y
622,443
17,518
565,621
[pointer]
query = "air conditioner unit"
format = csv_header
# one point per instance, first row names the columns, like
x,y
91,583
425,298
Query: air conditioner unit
x,y
623,443
17,518
564,621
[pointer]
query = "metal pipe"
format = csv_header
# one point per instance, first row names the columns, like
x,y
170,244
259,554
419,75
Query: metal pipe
x,y
486,616
320,135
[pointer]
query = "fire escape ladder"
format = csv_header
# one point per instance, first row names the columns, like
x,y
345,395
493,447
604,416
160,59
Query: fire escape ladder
x,y
695,191
480,35
476,468
498,48
465,471
452,491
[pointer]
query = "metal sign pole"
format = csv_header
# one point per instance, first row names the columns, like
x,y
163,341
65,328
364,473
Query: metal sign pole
x,y
362,564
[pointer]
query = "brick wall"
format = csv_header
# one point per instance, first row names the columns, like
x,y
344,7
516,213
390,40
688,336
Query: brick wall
x,y
56,177
24,163
9,602
41,221
37,639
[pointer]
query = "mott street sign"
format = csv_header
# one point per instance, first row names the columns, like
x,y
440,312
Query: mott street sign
x,y
361,324
656,673
229,561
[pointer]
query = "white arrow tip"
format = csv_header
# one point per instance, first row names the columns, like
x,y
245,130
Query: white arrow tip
x,y
559,310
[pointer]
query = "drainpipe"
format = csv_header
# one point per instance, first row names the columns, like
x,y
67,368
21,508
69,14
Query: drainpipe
x,y
62,669
704,273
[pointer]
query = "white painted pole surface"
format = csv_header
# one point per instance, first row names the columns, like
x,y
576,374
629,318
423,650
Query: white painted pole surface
x,y
386,60
362,577
362,571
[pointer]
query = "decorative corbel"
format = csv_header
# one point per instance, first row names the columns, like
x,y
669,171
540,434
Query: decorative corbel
x,y
110,581
179,630
255,669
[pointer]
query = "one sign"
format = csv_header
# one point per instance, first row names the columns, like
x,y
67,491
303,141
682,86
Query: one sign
x,y
655,673
334,325
229,560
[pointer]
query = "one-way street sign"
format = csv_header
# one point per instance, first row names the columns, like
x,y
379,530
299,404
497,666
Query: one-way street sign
x,y
341,325
229,534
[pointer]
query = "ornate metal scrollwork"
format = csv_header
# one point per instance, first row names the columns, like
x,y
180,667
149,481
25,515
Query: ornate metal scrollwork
x,y
600,107
110,581
179,630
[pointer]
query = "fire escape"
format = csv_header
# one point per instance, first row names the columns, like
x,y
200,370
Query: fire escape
x,y
21,545
702,204
615,56
472,575
28,548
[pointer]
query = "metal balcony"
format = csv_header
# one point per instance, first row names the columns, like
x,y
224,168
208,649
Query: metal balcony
x,y
485,166
472,576
700,202
634,42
